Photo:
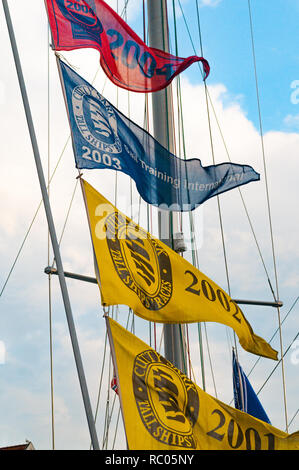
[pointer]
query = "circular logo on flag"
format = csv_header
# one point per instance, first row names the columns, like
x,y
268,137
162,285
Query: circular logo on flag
x,y
96,120
167,401
80,12
140,261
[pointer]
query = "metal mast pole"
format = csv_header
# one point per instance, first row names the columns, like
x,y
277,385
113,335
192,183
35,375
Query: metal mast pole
x,y
163,132
52,231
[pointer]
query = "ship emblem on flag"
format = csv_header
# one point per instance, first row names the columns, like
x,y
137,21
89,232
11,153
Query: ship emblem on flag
x,y
104,138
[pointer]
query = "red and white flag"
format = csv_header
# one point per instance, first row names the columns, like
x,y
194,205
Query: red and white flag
x,y
114,384
124,57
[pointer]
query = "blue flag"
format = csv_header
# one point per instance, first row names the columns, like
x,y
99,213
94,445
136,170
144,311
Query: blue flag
x,y
104,138
245,398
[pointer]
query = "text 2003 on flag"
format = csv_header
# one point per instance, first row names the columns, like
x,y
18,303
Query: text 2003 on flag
x,y
125,58
103,137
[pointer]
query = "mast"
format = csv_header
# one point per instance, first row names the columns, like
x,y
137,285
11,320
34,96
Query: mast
x,y
164,134
55,245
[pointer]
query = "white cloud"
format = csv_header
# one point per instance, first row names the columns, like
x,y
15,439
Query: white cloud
x,y
210,3
292,121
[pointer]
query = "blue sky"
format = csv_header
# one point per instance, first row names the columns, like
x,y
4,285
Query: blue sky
x,y
24,376
227,45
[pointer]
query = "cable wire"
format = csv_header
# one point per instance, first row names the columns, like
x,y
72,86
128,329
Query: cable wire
x,y
269,208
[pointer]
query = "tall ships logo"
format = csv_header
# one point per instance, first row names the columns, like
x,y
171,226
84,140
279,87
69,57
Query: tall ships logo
x,y
84,22
95,119
140,261
167,401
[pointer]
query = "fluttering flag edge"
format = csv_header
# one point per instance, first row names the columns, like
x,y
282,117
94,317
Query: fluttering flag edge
x,y
257,345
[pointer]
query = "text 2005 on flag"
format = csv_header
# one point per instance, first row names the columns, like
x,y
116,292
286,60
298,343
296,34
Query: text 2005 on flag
x,y
125,58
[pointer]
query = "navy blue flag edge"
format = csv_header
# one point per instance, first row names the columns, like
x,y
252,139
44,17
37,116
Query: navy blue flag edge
x,y
245,398
104,138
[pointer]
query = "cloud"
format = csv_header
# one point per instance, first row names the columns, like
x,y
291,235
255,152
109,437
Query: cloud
x,y
210,3
292,121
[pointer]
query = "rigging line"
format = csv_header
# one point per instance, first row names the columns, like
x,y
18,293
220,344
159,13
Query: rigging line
x,y
48,254
290,422
106,419
210,360
40,203
30,226
116,173
228,155
102,374
187,348
268,205
67,216
280,360
109,416
269,341
213,156
256,362
119,410
182,144
193,238
182,330
116,428
109,419
101,377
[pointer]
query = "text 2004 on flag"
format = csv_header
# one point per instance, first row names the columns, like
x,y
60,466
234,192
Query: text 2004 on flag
x,y
124,57
138,270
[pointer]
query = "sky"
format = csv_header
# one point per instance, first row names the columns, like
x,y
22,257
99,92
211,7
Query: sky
x,y
25,398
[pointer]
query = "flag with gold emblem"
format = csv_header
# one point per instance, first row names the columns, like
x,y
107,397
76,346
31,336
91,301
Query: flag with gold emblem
x,y
164,410
138,270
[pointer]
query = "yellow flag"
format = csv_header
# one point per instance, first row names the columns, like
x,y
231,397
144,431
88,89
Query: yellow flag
x,y
138,270
164,410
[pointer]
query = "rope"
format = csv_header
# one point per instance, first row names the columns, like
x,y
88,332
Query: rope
x,y
30,226
228,156
214,162
274,334
48,259
290,422
191,220
280,360
268,205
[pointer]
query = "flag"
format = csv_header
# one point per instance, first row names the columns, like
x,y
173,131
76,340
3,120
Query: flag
x,y
244,395
124,57
114,385
104,138
138,270
164,410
